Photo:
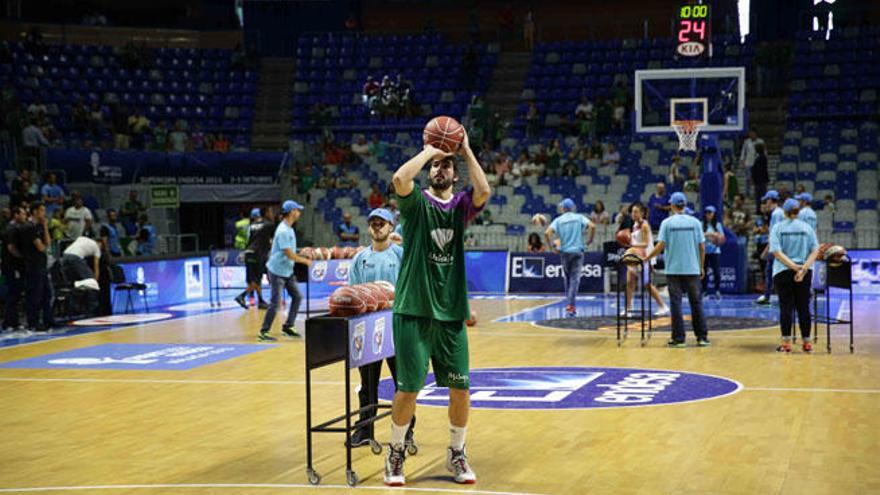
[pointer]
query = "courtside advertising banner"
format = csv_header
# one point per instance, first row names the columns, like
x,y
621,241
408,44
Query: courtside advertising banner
x,y
542,272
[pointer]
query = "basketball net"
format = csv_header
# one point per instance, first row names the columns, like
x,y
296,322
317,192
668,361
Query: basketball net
x,y
687,131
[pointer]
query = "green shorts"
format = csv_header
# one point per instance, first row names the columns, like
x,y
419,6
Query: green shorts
x,y
418,340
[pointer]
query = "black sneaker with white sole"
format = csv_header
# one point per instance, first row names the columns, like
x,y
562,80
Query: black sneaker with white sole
x,y
290,332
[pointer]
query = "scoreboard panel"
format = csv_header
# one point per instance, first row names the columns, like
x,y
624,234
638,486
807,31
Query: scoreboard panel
x,y
694,30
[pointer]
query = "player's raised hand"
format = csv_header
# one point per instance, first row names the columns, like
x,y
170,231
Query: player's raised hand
x,y
465,147
436,153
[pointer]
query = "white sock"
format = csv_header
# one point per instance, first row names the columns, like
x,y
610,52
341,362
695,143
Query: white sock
x,y
456,436
398,435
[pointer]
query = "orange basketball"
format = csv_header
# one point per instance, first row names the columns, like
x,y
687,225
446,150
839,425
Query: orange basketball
x,y
444,133
473,319
337,252
624,238
370,301
346,301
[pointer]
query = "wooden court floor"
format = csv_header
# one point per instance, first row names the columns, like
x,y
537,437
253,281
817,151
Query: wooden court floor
x,y
802,424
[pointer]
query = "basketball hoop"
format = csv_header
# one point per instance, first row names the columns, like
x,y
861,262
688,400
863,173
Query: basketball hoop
x,y
687,131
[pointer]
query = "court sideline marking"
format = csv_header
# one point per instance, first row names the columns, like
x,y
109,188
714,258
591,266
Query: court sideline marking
x,y
316,382
250,485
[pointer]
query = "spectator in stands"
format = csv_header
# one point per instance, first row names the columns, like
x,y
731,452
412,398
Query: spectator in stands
x,y
584,109
378,148
333,154
327,181
554,159
658,206
33,141
533,121
77,217
221,144
501,168
79,115
21,195
618,115
96,121
131,210
360,148
677,175
56,225
738,218
348,234
388,97
486,157
484,218
828,204
599,216
160,137
197,138
111,231
138,126
146,236
748,155
570,169
377,199
178,139
53,195
713,231
534,244
731,185
370,93
622,219
345,182
760,173
611,156
119,121
37,109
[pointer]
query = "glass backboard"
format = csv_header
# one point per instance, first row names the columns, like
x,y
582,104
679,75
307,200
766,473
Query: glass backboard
x,y
715,95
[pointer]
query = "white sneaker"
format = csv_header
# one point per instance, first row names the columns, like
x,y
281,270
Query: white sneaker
x,y
457,464
761,300
394,466
627,314
662,312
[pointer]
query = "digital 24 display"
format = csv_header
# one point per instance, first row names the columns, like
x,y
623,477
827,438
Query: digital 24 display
x,y
694,30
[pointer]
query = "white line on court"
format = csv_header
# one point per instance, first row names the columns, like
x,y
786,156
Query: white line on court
x,y
316,382
238,486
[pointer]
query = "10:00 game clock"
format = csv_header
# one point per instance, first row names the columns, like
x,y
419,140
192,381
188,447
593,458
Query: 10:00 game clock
x,y
694,30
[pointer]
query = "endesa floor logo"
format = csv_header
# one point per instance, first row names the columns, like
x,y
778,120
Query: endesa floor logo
x,y
576,388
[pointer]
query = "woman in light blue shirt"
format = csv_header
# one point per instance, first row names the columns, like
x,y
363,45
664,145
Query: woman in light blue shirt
x,y
794,247
713,229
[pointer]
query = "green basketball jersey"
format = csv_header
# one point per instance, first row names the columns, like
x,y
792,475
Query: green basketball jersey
x,y
432,282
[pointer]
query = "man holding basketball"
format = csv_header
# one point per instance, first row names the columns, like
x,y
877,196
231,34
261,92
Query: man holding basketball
x,y
431,302
380,261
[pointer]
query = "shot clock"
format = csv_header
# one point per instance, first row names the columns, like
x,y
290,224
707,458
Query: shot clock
x,y
694,30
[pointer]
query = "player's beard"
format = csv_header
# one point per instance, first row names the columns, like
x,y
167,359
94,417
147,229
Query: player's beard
x,y
439,184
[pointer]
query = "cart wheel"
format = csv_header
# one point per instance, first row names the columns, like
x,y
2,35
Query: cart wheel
x,y
375,447
314,477
352,478
412,449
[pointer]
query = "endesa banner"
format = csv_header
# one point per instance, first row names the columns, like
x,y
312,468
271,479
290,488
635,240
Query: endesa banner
x,y
542,272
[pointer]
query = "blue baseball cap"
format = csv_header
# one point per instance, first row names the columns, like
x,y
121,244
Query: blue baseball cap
x,y
688,211
382,213
790,204
804,196
255,212
709,209
771,194
567,204
678,199
290,205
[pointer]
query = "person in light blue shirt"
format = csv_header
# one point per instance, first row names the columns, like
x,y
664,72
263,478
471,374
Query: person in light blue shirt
x,y
380,261
53,195
713,231
349,234
569,227
795,248
682,241
279,268
806,215
771,205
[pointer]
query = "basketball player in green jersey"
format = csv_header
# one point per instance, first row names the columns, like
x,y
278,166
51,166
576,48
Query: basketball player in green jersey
x,y
431,302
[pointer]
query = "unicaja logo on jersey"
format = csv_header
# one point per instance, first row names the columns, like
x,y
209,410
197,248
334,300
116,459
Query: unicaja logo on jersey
x,y
442,238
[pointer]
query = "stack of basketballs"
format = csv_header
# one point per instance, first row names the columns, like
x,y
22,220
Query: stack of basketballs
x,y
334,253
352,300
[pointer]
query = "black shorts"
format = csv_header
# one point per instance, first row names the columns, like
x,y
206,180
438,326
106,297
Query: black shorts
x,y
255,267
